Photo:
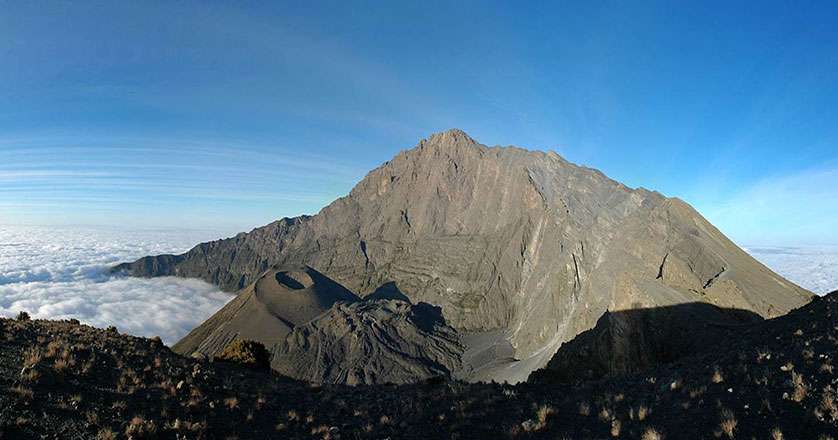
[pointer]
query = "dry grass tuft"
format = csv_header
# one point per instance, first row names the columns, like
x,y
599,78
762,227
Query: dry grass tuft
x,y
32,356
717,376
642,412
231,403
541,415
616,427
23,393
652,434
106,434
827,407
604,414
728,423
140,428
800,387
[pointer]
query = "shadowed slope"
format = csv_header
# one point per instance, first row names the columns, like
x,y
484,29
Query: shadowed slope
x,y
633,341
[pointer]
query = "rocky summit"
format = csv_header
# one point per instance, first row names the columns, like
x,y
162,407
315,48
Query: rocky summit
x,y
520,251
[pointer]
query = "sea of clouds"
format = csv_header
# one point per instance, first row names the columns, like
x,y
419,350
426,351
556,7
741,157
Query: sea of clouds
x,y
812,267
62,273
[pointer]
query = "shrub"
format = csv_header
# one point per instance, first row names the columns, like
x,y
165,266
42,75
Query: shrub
x,y
23,316
246,352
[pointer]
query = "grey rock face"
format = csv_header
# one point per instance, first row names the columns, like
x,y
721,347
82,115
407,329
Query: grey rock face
x,y
507,242
367,342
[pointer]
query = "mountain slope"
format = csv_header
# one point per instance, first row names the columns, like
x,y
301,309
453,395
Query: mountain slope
x,y
267,310
371,342
507,242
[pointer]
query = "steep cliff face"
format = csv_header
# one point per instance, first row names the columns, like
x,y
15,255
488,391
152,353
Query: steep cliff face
x,y
504,240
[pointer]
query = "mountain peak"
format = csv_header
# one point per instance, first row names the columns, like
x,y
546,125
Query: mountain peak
x,y
453,137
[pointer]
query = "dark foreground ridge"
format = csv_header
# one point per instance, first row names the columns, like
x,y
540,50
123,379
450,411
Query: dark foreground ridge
x,y
62,380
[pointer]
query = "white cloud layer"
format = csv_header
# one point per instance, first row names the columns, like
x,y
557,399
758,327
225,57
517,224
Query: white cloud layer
x,y
812,267
61,273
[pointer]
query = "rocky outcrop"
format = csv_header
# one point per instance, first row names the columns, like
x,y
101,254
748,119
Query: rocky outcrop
x,y
508,242
369,342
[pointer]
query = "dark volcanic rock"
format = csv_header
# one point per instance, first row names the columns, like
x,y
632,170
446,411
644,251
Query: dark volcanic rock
x,y
368,342
507,242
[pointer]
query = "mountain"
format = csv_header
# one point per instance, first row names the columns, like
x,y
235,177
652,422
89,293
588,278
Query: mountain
x,y
267,310
63,380
522,250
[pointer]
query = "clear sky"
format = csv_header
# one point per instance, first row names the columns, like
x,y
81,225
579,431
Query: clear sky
x,y
229,115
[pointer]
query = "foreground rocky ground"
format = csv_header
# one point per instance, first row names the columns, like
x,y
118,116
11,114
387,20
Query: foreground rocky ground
x,y
63,380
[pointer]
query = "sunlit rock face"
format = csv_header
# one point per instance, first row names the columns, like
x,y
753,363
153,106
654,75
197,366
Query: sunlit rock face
x,y
517,244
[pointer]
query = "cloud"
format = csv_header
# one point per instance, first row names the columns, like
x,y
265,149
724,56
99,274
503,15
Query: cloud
x,y
812,267
61,273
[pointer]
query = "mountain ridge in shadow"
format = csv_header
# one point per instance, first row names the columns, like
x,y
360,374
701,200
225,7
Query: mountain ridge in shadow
x,y
636,340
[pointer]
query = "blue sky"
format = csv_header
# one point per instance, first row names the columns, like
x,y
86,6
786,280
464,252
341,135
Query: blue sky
x,y
229,115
